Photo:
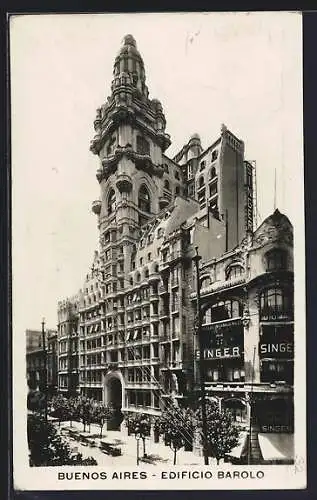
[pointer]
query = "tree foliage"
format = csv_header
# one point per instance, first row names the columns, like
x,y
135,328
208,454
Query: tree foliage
x,y
222,433
80,408
177,427
47,448
140,426
35,400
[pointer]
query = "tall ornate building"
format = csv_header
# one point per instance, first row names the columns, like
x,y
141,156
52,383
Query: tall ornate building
x,y
136,312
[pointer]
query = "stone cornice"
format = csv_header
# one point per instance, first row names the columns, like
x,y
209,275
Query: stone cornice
x,y
143,162
134,112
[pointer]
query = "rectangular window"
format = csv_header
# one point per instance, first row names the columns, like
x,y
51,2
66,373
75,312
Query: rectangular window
x,y
213,189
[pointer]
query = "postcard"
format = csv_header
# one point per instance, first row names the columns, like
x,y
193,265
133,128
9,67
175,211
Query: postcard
x,y
158,251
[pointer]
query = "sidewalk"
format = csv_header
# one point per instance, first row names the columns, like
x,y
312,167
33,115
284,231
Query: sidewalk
x,y
158,452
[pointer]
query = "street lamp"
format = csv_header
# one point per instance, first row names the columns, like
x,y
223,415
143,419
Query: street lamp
x,y
44,369
202,374
137,437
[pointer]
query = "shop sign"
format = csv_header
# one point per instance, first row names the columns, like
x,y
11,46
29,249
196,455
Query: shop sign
x,y
278,429
277,349
220,353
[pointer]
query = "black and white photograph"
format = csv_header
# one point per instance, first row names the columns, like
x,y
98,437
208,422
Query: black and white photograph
x,y
158,253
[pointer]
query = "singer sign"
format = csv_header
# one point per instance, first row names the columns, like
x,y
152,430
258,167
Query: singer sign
x,y
221,353
277,349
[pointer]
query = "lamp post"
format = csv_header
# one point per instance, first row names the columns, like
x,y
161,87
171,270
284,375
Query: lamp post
x,y
137,437
202,376
44,369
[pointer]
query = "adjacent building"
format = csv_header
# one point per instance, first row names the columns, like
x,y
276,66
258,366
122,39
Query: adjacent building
x,y
41,365
128,336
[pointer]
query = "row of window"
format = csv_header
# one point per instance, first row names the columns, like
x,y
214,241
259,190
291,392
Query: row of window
x,y
274,303
142,398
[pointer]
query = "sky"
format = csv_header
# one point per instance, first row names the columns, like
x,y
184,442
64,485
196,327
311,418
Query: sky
x,y
240,69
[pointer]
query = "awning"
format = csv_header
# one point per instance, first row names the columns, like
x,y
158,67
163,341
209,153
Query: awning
x,y
277,446
242,447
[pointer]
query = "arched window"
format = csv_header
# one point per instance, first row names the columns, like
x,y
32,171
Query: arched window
x,y
167,185
214,155
131,281
212,172
146,273
144,201
234,271
275,259
201,181
177,190
142,145
276,303
160,232
111,201
138,277
176,175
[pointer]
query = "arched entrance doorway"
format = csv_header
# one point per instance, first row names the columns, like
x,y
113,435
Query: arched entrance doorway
x,y
113,397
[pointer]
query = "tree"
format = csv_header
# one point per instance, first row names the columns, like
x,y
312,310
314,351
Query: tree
x,y
222,433
59,408
177,425
73,409
47,448
100,414
140,425
35,400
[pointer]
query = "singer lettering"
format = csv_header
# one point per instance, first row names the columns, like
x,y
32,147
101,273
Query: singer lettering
x,y
283,347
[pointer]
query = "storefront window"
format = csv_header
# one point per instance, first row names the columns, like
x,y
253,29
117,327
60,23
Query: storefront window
x,y
222,311
237,408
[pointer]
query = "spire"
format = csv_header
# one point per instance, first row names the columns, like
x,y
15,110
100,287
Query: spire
x,y
130,65
128,89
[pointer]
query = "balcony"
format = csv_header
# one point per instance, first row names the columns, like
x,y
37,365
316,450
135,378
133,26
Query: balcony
x,y
162,290
276,313
154,296
163,201
176,365
124,183
154,277
96,207
164,313
175,282
165,337
164,264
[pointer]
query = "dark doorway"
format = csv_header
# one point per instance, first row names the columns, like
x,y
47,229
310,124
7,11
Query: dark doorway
x,y
114,389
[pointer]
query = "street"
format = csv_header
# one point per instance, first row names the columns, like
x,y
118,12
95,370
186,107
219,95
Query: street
x,y
157,453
